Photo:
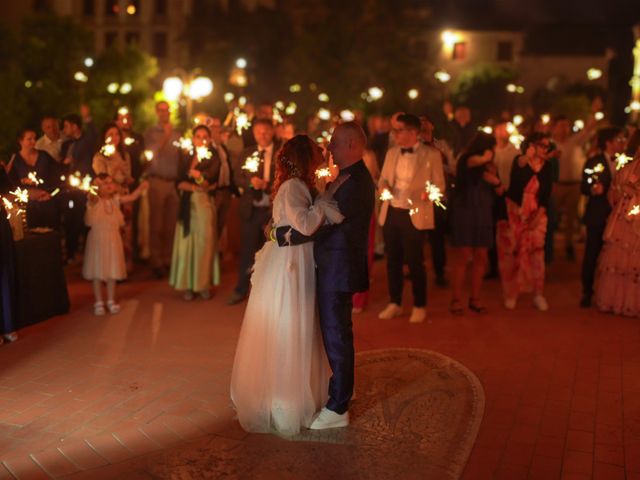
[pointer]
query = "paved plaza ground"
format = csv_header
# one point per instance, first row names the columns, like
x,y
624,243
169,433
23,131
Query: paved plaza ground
x,y
92,397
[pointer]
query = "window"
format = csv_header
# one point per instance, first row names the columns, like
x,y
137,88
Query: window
x,y
505,51
88,8
160,8
110,38
111,8
132,38
460,50
160,44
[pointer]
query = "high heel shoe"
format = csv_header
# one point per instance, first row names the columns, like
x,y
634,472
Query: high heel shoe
x,y
477,307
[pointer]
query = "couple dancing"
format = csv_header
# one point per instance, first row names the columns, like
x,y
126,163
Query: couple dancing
x,y
294,363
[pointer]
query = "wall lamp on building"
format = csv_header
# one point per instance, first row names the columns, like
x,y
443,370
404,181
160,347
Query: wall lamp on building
x,y
187,86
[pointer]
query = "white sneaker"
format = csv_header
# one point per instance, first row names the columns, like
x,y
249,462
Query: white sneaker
x,y
418,314
510,303
390,311
540,303
113,307
329,419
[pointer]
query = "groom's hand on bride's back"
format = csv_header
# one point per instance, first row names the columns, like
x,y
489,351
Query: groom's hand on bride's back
x,y
287,236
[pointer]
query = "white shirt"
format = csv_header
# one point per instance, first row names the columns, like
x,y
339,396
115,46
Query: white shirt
x,y
405,169
224,178
266,175
572,158
504,160
52,147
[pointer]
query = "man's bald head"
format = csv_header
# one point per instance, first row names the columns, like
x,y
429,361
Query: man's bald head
x,y
347,144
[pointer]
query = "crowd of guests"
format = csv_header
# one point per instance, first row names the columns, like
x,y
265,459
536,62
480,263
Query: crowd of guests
x,y
157,198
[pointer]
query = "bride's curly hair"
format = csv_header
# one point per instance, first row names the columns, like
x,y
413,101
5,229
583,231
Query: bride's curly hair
x,y
296,159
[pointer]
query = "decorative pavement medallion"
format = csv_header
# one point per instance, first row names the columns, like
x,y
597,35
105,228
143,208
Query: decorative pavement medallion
x,y
416,416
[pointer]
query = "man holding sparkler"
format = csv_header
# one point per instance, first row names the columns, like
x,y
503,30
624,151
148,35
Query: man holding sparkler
x,y
597,176
255,178
407,212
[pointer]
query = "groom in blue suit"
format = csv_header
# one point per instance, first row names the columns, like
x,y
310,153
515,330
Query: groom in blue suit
x,y
340,253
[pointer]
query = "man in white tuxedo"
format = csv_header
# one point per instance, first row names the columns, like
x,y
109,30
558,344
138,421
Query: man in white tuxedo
x,y
407,168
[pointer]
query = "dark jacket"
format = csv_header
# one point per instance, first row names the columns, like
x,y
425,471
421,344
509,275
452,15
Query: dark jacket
x,y
520,177
242,179
598,209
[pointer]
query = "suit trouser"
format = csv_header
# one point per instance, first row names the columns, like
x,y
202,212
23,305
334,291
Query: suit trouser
x,y
437,241
252,231
337,335
163,215
223,203
567,198
404,243
73,205
593,245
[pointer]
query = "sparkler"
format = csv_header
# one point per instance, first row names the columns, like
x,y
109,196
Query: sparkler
x,y
242,121
594,173
8,206
386,195
435,195
82,183
129,141
21,194
185,144
108,148
621,160
635,211
55,192
33,176
148,155
323,172
203,153
252,163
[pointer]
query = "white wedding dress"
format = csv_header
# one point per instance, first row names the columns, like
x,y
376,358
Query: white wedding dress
x,y
280,373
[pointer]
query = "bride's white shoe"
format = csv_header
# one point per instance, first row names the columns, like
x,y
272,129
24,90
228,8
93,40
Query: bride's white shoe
x,y
329,419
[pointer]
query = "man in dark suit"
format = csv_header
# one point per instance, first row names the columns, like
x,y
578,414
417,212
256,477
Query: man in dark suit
x,y
225,183
596,179
254,207
340,252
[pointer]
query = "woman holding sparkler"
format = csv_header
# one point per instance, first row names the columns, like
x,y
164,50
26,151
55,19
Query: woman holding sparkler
x,y
520,238
618,275
194,262
472,207
8,296
36,171
280,373
114,160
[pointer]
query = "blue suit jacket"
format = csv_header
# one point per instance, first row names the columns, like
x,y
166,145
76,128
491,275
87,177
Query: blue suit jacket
x,y
340,250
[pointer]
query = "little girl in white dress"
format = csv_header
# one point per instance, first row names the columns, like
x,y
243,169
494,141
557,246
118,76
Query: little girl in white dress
x,y
104,251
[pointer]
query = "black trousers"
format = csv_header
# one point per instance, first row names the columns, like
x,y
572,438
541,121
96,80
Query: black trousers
x,y
592,248
252,231
73,206
437,241
404,243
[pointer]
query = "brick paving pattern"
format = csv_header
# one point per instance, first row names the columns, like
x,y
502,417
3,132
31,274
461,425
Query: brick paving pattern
x,y
81,392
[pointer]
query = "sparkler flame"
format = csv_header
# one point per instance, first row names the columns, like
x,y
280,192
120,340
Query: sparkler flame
x,y
621,160
148,155
185,144
129,141
323,172
635,210
386,195
434,195
21,194
33,176
203,153
252,163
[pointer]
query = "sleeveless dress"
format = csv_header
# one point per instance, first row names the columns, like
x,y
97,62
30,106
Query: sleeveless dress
x,y
104,251
280,373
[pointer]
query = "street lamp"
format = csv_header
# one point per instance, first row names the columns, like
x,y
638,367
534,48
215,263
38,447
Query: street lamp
x,y
190,86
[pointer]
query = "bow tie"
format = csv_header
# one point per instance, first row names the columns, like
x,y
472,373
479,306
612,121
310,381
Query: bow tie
x,y
406,150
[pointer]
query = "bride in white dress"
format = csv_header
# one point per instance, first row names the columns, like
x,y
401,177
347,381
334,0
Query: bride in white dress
x,y
280,373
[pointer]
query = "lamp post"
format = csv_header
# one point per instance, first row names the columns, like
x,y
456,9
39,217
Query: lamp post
x,y
189,86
